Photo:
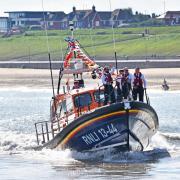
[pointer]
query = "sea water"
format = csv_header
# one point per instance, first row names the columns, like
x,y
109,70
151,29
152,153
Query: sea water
x,y
21,108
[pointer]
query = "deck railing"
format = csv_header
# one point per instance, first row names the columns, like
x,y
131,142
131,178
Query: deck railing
x,y
46,130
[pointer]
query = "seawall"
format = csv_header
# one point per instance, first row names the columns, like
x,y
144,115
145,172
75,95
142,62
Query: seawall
x,y
174,63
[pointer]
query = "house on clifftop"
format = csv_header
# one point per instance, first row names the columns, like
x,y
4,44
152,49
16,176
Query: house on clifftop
x,y
97,19
77,16
90,18
171,18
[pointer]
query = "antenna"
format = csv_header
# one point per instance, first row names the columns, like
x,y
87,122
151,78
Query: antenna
x,y
164,6
45,27
91,36
49,55
114,41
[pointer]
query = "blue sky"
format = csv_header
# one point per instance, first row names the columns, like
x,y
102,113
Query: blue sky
x,y
144,6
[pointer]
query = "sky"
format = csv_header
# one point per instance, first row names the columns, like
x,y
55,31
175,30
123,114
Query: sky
x,y
143,6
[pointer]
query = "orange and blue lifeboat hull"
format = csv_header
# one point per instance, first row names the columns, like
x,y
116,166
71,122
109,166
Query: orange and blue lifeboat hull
x,y
123,126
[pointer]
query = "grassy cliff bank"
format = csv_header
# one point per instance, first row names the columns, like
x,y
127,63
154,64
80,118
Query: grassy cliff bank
x,y
130,42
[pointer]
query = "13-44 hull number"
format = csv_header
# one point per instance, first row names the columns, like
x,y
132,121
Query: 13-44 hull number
x,y
100,134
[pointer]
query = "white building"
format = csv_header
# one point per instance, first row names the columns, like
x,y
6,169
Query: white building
x,y
25,18
171,17
36,18
4,24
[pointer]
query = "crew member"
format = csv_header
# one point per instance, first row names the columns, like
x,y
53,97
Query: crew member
x,y
119,81
139,85
76,84
127,81
108,88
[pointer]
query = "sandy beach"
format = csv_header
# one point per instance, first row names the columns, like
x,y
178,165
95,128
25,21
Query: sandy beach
x,y
37,78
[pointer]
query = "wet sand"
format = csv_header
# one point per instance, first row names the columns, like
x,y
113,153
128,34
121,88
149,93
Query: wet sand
x,y
36,78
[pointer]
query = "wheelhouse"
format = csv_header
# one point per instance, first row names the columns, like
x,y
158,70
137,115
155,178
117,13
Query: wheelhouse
x,y
77,103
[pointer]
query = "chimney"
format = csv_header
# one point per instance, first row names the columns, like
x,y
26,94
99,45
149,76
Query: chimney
x,y
94,8
74,9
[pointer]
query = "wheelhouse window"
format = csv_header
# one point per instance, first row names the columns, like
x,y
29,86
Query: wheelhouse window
x,y
61,109
65,106
69,104
82,100
99,96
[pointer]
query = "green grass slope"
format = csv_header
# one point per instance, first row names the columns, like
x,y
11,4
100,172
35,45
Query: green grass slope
x,y
161,41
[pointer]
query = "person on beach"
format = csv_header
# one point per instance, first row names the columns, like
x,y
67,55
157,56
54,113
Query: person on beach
x,y
139,85
107,81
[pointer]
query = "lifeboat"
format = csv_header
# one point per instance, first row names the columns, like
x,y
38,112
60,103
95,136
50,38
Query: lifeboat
x,y
80,121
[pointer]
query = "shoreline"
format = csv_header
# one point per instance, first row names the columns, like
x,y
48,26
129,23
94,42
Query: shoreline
x,y
40,78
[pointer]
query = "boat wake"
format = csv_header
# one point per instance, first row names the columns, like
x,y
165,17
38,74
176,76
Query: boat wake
x,y
14,142
171,136
159,148
24,145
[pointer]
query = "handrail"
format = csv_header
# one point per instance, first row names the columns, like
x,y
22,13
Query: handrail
x,y
47,128
147,97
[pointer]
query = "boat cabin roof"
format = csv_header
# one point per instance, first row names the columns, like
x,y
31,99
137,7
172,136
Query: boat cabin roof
x,y
74,92
82,90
